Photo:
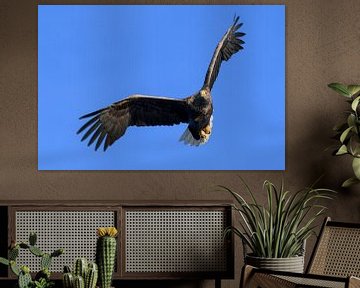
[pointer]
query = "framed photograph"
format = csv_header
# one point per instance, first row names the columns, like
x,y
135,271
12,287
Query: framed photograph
x,y
161,87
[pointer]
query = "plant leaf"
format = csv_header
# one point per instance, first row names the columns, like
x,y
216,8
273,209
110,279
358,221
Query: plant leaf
x,y
4,261
354,145
351,121
345,134
349,182
356,167
355,103
353,89
340,127
342,150
340,88
279,228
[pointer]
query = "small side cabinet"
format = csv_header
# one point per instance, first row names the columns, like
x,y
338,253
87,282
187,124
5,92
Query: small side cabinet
x,y
167,240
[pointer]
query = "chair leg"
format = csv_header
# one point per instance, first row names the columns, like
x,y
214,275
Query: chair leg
x,y
217,283
246,274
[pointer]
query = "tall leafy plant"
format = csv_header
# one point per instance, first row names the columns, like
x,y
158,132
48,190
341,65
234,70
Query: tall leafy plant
x,y
348,132
279,229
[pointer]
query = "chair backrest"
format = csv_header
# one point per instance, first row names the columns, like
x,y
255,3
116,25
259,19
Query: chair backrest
x,y
337,251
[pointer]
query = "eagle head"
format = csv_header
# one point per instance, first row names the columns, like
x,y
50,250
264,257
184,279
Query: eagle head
x,y
205,92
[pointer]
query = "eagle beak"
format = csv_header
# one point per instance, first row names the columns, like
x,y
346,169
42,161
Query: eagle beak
x,y
205,92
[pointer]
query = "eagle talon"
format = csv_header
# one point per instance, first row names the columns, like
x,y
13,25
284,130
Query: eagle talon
x,y
205,133
207,129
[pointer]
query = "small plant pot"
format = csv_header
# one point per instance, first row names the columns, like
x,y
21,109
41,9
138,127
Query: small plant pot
x,y
291,264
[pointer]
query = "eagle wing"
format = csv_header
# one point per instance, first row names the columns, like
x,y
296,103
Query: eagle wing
x,y
228,46
109,124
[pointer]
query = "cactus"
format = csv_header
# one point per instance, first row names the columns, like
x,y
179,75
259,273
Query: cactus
x,y
105,254
79,282
24,280
67,269
25,269
45,261
57,253
87,272
36,251
91,276
13,253
68,280
32,238
24,245
14,268
42,278
80,268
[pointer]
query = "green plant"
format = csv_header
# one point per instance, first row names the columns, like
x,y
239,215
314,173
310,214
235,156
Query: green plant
x,y
43,283
42,278
79,282
68,278
348,132
81,267
105,254
279,229
85,275
91,275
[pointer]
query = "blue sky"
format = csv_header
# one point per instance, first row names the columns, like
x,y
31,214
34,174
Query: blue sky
x,y
91,56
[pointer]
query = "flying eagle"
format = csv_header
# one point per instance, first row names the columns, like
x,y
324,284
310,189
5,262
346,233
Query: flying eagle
x,y
109,124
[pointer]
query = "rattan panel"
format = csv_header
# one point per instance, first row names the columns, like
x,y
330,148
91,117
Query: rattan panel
x,y
175,241
75,231
338,253
313,282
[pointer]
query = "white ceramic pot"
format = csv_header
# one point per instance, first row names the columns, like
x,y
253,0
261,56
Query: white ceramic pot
x,y
291,264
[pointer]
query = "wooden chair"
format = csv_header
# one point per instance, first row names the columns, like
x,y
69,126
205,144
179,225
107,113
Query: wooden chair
x,y
335,262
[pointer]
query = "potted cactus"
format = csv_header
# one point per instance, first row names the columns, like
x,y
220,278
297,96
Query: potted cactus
x,y
106,254
42,278
85,275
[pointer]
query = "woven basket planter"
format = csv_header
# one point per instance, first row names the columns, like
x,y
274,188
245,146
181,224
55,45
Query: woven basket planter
x,y
291,264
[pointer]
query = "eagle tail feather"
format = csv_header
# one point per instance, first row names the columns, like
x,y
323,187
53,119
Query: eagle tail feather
x,y
188,138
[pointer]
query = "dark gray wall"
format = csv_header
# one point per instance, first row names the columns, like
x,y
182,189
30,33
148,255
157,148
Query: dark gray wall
x,y
323,46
